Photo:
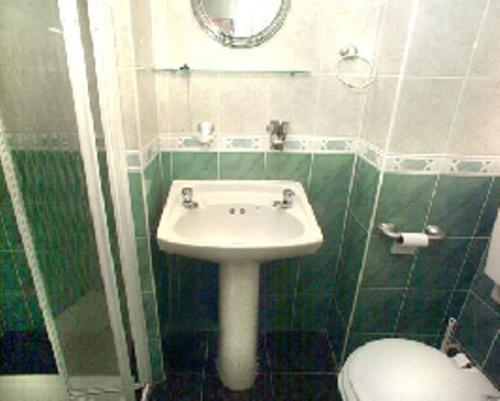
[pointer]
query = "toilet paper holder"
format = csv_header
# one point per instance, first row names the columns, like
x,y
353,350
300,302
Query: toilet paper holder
x,y
435,233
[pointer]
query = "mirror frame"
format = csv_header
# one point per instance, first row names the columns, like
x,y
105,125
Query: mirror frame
x,y
247,42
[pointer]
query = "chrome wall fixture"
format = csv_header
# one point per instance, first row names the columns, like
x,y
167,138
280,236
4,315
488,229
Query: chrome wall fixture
x,y
278,131
435,233
348,54
228,40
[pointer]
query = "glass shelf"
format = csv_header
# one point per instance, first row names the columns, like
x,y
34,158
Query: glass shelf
x,y
215,71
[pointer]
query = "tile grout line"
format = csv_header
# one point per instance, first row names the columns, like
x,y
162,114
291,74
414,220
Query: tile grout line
x,y
416,256
151,272
466,74
21,283
361,225
169,273
409,37
331,351
218,165
469,247
218,91
490,350
411,30
485,304
381,23
299,263
363,265
344,223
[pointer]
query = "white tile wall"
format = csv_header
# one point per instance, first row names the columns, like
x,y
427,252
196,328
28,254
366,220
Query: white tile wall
x,y
146,96
124,41
393,36
340,110
477,130
347,22
294,100
379,105
244,104
486,62
444,34
36,99
128,103
141,25
424,115
440,48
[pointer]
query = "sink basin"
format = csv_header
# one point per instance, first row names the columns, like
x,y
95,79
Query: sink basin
x,y
238,224
236,220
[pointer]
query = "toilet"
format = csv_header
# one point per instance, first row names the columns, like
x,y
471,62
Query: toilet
x,y
405,370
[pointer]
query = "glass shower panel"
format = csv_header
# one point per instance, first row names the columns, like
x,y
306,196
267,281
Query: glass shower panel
x,y
24,345
37,107
103,169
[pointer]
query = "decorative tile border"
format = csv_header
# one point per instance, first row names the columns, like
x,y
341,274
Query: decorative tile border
x,y
413,164
370,153
50,141
471,165
399,163
149,152
259,143
443,164
43,141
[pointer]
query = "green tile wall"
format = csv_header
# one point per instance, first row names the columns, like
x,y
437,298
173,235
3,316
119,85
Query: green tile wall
x,y
147,197
18,302
242,166
411,296
479,325
397,295
296,293
53,188
19,308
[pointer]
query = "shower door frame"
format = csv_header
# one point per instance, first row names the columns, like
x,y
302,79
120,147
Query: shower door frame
x,y
69,17
72,36
102,33
101,23
100,14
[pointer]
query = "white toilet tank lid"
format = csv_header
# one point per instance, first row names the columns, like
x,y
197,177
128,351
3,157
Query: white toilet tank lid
x,y
405,370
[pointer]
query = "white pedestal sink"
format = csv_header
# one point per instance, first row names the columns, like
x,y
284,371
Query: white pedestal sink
x,y
238,224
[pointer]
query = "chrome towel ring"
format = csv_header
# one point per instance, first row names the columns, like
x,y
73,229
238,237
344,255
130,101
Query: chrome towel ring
x,y
351,53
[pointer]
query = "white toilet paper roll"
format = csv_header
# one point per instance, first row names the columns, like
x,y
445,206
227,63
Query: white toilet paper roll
x,y
409,243
417,240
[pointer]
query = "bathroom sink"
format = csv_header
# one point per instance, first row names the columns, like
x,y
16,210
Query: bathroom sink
x,y
236,220
238,224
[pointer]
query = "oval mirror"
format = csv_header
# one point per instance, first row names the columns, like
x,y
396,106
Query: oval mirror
x,y
241,23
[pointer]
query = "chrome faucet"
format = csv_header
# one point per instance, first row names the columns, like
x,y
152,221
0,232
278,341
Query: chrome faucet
x,y
187,198
287,201
278,130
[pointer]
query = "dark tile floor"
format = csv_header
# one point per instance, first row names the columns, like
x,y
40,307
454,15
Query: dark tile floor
x,y
23,352
293,366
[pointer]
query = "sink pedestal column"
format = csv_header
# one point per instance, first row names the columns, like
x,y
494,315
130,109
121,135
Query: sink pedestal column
x,y
238,313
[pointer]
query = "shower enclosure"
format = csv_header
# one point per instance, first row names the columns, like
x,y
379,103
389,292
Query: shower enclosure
x,y
70,316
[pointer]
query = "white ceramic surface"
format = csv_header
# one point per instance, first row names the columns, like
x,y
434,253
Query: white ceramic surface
x,y
237,225
236,220
406,370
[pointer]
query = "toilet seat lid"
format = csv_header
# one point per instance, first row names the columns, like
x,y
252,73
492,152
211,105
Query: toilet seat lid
x,y
404,370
